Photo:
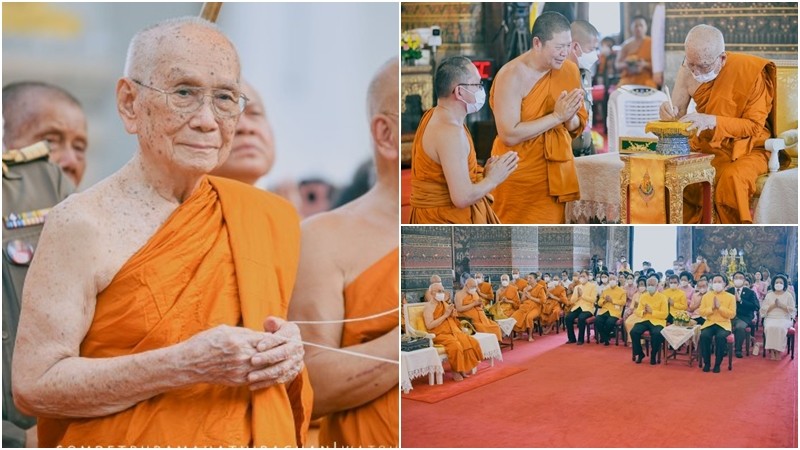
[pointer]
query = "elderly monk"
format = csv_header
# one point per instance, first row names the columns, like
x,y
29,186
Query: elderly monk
x,y
353,250
447,185
634,59
652,312
469,304
584,296
463,351
485,291
433,280
533,297
253,150
538,106
699,268
734,94
554,304
717,307
169,331
611,302
506,299
35,111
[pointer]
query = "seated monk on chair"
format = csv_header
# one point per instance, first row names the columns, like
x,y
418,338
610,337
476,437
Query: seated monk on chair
x,y
554,304
463,351
469,304
485,291
506,299
533,297
734,96
429,296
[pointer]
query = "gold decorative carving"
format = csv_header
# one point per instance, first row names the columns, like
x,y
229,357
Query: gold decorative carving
x,y
417,80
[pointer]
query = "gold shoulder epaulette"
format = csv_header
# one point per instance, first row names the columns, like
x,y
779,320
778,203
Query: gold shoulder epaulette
x,y
33,152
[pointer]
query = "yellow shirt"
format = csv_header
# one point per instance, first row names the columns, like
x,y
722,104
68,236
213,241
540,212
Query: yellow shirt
x,y
678,298
721,316
614,307
658,303
586,301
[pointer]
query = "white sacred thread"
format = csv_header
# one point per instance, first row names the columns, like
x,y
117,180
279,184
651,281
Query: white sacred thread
x,y
357,319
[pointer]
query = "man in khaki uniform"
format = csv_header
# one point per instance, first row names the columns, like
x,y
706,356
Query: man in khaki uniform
x,y
31,185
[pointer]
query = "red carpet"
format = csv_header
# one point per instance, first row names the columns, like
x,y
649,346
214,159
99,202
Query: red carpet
x,y
595,396
424,392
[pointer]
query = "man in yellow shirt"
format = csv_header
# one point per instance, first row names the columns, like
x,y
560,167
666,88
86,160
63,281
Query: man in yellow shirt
x,y
611,302
718,308
584,296
676,298
652,311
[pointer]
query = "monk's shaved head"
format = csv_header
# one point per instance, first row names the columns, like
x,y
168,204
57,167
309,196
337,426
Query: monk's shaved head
x,y
382,92
450,73
704,43
147,45
549,24
435,279
584,33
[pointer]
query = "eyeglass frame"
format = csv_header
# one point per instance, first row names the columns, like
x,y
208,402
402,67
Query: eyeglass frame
x,y
711,66
470,84
242,101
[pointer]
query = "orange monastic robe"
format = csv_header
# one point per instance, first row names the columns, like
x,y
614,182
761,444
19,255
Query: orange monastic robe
x,y
430,196
463,351
645,77
529,310
485,288
699,270
375,423
505,310
545,178
217,260
554,306
479,320
742,98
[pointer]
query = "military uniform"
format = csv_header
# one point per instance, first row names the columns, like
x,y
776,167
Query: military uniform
x,y
31,186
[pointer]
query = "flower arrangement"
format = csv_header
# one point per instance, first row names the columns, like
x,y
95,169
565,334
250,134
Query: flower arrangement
x,y
410,46
681,318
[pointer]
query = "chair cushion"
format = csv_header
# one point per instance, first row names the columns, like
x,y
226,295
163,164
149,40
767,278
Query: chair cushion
x,y
590,320
729,339
646,334
419,325
790,332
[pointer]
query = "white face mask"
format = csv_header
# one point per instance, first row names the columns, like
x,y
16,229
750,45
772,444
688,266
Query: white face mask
x,y
546,279
605,280
479,280
651,290
738,283
472,290
552,284
778,286
684,283
440,296
703,289
587,60
673,285
582,280
718,287
612,283
706,77
504,283
641,288
514,276
629,282
480,99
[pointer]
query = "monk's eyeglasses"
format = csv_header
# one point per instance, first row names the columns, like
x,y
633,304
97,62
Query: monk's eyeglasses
x,y
705,68
226,104
480,85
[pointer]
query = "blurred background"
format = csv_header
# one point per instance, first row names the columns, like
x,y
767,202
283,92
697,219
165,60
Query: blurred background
x,y
311,63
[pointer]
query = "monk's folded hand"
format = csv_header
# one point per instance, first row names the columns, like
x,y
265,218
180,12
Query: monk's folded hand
x,y
700,122
221,355
667,112
497,169
280,355
567,105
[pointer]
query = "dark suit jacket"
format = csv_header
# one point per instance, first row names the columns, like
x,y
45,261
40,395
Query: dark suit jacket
x,y
745,310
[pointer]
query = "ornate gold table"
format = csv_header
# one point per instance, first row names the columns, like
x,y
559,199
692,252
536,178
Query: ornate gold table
x,y
679,172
